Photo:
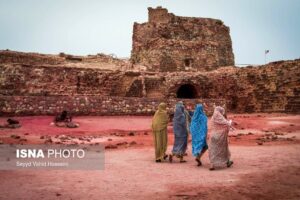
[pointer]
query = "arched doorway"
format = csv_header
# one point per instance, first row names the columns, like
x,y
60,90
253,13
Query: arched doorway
x,y
187,91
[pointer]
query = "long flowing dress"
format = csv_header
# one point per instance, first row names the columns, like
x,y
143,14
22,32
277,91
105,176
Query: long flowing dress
x,y
187,123
198,130
180,131
159,129
219,153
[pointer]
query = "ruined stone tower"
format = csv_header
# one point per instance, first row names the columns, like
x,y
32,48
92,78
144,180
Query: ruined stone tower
x,y
172,43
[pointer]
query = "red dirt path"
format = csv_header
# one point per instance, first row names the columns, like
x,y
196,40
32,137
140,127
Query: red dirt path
x,y
267,171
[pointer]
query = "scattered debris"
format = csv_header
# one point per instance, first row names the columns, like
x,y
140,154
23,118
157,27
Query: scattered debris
x,y
122,143
131,134
276,133
48,141
274,137
111,146
63,137
15,136
72,125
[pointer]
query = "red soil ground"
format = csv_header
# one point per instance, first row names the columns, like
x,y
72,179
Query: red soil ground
x,y
265,149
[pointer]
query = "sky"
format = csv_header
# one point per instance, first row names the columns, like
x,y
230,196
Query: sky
x,y
83,27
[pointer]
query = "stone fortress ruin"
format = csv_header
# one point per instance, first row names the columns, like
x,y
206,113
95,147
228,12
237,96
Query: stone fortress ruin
x,y
172,58
171,43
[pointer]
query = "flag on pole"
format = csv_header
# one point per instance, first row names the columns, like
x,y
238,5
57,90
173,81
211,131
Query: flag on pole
x,y
267,51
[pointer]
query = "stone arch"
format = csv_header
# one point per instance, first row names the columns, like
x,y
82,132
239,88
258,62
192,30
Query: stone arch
x,y
187,91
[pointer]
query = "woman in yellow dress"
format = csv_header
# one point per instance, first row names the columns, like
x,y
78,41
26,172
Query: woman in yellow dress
x,y
160,134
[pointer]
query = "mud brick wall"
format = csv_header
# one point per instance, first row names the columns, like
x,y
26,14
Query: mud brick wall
x,y
270,88
30,80
91,105
29,58
36,59
171,43
36,80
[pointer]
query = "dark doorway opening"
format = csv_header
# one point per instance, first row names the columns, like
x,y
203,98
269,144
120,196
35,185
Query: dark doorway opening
x,y
188,62
187,91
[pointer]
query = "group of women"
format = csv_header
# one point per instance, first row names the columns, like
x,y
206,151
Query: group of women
x,y
196,125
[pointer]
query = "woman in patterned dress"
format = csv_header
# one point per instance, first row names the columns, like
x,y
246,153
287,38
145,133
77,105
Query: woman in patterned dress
x,y
219,154
180,133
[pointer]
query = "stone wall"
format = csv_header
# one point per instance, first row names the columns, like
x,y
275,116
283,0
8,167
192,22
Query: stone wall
x,y
29,58
270,88
91,105
99,61
171,43
35,80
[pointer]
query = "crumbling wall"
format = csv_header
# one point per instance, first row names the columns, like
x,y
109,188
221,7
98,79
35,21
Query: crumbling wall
x,y
17,79
269,88
100,61
29,58
43,81
91,105
172,43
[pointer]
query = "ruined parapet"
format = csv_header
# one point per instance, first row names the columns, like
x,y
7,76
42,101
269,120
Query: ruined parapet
x,y
159,15
269,88
14,57
100,60
172,43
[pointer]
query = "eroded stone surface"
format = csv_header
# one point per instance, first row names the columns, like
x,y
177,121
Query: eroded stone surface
x,y
172,43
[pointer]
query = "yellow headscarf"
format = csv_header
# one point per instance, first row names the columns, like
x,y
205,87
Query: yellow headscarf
x,y
161,118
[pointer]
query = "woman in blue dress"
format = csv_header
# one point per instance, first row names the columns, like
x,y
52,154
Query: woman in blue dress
x,y
198,131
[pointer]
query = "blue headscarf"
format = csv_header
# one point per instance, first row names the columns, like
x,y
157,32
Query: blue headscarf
x,y
179,122
198,130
